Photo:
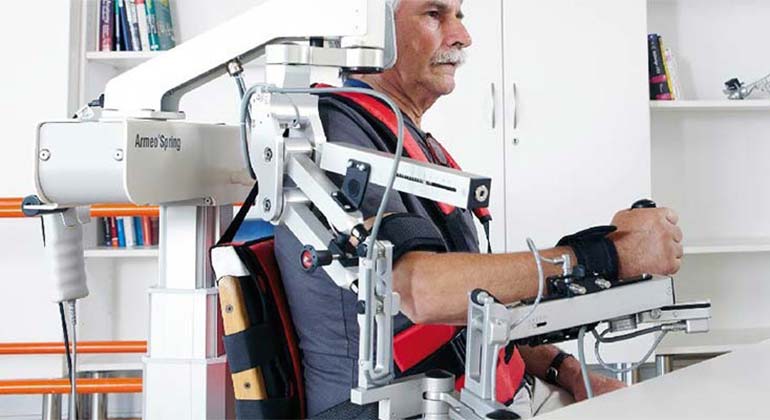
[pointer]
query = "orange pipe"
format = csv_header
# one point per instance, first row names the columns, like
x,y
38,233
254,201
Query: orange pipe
x,y
62,386
84,347
117,210
11,207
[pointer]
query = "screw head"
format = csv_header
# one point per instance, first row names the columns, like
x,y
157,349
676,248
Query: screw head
x,y
266,204
229,309
515,141
247,385
45,154
118,155
482,193
268,154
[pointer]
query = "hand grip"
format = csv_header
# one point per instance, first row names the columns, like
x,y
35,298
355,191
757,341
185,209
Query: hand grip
x,y
64,255
644,204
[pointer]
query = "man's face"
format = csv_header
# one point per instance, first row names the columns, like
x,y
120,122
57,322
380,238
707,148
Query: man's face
x,y
431,39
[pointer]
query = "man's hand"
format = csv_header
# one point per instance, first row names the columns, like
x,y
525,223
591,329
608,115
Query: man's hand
x,y
571,379
648,241
600,384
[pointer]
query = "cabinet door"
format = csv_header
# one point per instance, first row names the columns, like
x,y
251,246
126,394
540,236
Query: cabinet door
x,y
577,145
469,121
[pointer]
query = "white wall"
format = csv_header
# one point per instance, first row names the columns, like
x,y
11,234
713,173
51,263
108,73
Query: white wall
x,y
34,85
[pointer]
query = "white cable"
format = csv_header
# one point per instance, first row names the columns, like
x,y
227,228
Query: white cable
x,y
540,283
633,365
74,371
582,359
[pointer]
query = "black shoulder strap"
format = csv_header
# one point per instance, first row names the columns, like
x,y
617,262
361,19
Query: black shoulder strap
x,y
229,234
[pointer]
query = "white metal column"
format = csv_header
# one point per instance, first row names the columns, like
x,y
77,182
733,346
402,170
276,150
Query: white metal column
x,y
185,376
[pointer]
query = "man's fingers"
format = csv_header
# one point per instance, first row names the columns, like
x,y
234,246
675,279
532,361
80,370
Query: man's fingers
x,y
679,251
671,216
678,235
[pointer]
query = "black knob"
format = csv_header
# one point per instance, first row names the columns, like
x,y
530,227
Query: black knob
x,y
644,204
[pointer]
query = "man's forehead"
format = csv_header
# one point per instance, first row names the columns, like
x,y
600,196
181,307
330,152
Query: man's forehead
x,y
444,3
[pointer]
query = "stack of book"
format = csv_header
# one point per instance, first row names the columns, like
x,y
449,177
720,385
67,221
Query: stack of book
x,y
135,25
122,232
664,78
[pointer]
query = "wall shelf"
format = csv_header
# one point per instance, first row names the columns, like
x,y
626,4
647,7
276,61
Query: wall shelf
x,y
711,105
129,252
121,59
726,245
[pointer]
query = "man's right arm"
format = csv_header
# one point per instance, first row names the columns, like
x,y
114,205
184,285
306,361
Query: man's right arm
x,y
434,287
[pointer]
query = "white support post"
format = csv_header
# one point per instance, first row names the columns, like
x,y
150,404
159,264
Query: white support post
x,y
184,371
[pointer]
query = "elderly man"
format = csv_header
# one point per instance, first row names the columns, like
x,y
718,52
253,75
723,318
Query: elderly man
x,y
434,281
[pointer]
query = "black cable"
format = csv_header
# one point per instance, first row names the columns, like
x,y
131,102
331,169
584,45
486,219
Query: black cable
x,y
67,346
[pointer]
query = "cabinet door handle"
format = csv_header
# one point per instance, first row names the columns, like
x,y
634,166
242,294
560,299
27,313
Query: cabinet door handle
x,y
494,105
515,107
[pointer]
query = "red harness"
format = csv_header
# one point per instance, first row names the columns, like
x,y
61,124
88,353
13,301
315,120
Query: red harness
x,y
418,342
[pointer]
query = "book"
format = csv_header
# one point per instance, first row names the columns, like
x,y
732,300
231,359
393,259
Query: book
x,y
114,232
106,236
138,231
129,231
144,31
121,232
658,83
117,28
155,223
673,73
166,40
147,231
152,24
666,69
106,25
125,32
133,22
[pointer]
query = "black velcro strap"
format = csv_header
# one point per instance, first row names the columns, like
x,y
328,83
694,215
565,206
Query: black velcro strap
x,y
410,232
594,250
449,357
252,347
273,408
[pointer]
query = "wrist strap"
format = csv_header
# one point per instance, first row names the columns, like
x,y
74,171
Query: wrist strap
x,y
552,373
594,251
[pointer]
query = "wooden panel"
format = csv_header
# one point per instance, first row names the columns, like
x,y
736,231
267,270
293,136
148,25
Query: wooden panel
x,y
249,384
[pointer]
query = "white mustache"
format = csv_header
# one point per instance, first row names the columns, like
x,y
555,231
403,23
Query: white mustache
x,y
454,56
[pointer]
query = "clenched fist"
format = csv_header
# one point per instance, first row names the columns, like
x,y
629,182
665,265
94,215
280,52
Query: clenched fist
x,y
648,241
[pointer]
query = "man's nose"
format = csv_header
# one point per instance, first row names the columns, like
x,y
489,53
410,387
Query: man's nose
x,y
457,35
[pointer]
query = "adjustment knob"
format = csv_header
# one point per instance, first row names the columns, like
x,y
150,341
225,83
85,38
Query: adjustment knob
x,y
311,258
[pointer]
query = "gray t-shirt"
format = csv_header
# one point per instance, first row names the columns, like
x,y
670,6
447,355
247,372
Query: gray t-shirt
x,y
324,315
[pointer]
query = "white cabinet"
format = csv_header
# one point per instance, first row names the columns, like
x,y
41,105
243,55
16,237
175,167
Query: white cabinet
x,y
577,117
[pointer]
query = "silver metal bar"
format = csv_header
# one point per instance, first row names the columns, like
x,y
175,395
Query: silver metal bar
x,y
434,182
619,301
